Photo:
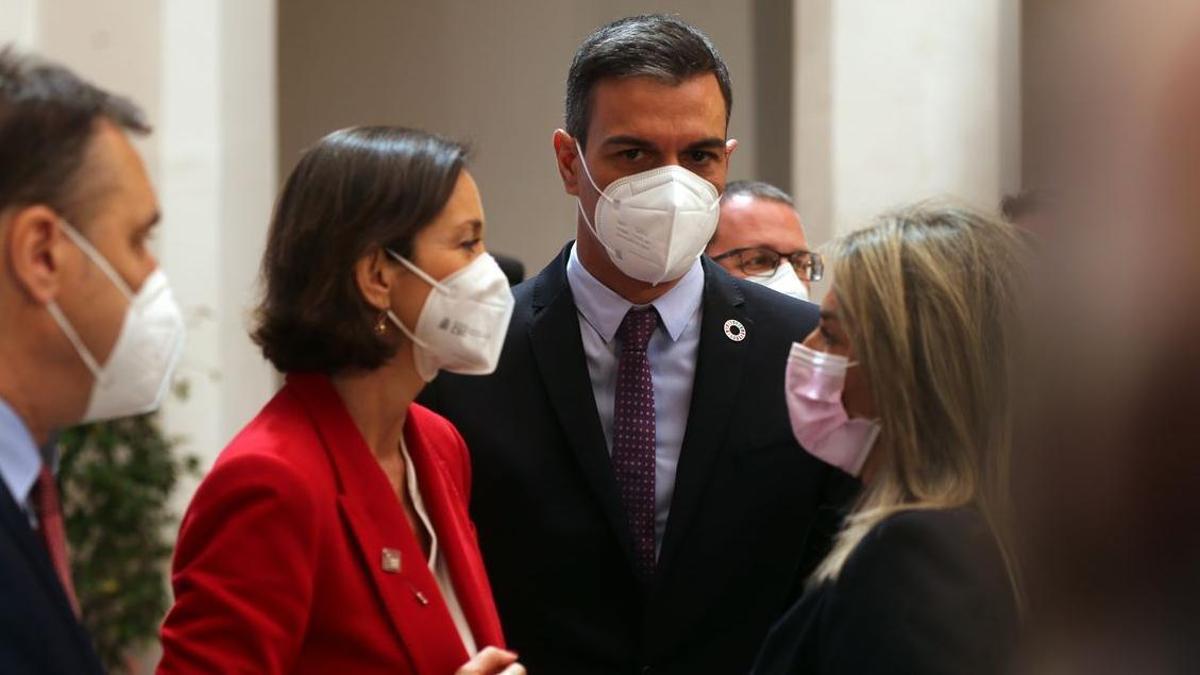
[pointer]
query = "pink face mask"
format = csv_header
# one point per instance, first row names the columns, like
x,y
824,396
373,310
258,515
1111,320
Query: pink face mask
x,y
814,385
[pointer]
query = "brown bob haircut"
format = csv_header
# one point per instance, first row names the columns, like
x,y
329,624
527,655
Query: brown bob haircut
x,y
355,192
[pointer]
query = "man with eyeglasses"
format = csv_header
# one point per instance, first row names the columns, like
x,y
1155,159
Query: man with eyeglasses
x,y
759,238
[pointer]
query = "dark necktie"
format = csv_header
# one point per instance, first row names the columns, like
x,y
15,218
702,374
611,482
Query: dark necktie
x,y
48,510
634,433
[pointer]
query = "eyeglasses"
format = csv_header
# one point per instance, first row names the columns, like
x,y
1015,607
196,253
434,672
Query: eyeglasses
x,y
756,260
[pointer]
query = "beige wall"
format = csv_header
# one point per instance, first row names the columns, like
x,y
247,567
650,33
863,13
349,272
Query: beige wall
x,y
492,73
902,101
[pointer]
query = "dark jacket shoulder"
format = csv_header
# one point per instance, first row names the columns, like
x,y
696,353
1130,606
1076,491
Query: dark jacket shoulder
x,y
929,591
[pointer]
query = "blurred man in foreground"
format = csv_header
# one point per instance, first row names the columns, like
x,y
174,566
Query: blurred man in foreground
x,y
90,330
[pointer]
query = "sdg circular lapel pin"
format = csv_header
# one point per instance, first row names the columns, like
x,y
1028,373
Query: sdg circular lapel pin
x,y
734,330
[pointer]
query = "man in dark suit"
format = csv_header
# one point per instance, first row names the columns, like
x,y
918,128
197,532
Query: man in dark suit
x,y
78,337
640,501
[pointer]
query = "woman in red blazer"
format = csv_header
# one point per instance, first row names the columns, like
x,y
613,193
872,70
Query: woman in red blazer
x,y
332,534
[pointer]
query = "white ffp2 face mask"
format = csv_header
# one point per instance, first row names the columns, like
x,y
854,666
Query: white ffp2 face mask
x,y
462,326
136,375
656,223
784,279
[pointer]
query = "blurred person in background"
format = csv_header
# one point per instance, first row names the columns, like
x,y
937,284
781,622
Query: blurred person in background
x,y
89,329
906,383
642,504
514,269
759,238
1109,476
332,534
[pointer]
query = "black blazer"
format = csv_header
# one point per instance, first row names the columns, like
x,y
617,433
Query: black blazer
x,y
924,592
38,629
550,522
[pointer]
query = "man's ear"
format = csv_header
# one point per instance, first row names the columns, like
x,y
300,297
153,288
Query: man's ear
x,y
35,250
375,277
566,152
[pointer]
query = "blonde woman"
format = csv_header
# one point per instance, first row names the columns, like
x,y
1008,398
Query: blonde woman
x,y
905,383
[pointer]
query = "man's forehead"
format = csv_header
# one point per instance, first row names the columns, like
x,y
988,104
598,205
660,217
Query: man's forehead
x,y
113,175
648,108
749,206
750,221
112,155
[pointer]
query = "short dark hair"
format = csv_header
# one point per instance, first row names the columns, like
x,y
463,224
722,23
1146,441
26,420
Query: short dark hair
x,y
47,117
758,190
353,193
651,45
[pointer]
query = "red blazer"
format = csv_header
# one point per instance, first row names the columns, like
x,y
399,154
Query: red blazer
x,y
279,565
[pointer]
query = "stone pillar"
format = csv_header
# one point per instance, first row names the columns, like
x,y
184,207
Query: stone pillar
x,y
899,101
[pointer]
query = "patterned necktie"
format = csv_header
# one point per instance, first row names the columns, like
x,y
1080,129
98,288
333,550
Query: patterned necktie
x,y
50,526
634,433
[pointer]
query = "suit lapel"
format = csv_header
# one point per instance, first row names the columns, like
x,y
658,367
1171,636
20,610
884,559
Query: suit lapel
x,y
446,509
410,595
16,523
375,520
718,378
558,351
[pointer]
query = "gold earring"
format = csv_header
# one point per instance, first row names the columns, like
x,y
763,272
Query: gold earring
x,y
381,324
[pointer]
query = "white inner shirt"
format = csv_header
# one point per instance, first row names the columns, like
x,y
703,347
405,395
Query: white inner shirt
x,y
437,563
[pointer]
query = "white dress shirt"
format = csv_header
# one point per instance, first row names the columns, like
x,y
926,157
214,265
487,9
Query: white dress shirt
x,y
20,460
672,352
437,563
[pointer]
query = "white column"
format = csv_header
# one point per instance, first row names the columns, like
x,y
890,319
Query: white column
x,y
217,138
18,23
204,72
899,101
249,164
189,137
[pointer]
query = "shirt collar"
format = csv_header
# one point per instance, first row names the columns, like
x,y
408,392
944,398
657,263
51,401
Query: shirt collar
x,y
604,310
20,461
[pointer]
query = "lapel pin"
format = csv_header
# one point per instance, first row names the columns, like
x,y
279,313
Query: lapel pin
x,y
390,561
734,330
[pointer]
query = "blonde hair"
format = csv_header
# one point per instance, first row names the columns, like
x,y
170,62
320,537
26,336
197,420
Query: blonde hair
x,y
927,296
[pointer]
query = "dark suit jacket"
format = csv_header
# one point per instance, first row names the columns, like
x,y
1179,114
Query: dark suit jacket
x,y
38,629
551,525
925,592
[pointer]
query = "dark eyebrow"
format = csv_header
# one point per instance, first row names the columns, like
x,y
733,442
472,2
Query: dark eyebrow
x,y
475,224
633,141
713,143
827,315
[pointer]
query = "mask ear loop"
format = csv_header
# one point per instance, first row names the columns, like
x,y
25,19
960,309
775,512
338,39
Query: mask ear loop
x,y
98,259
56,312
403,329
579,202
424,277
75,340
417,271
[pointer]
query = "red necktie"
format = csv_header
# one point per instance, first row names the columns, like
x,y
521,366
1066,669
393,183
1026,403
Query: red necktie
x,y
50,526
634,430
